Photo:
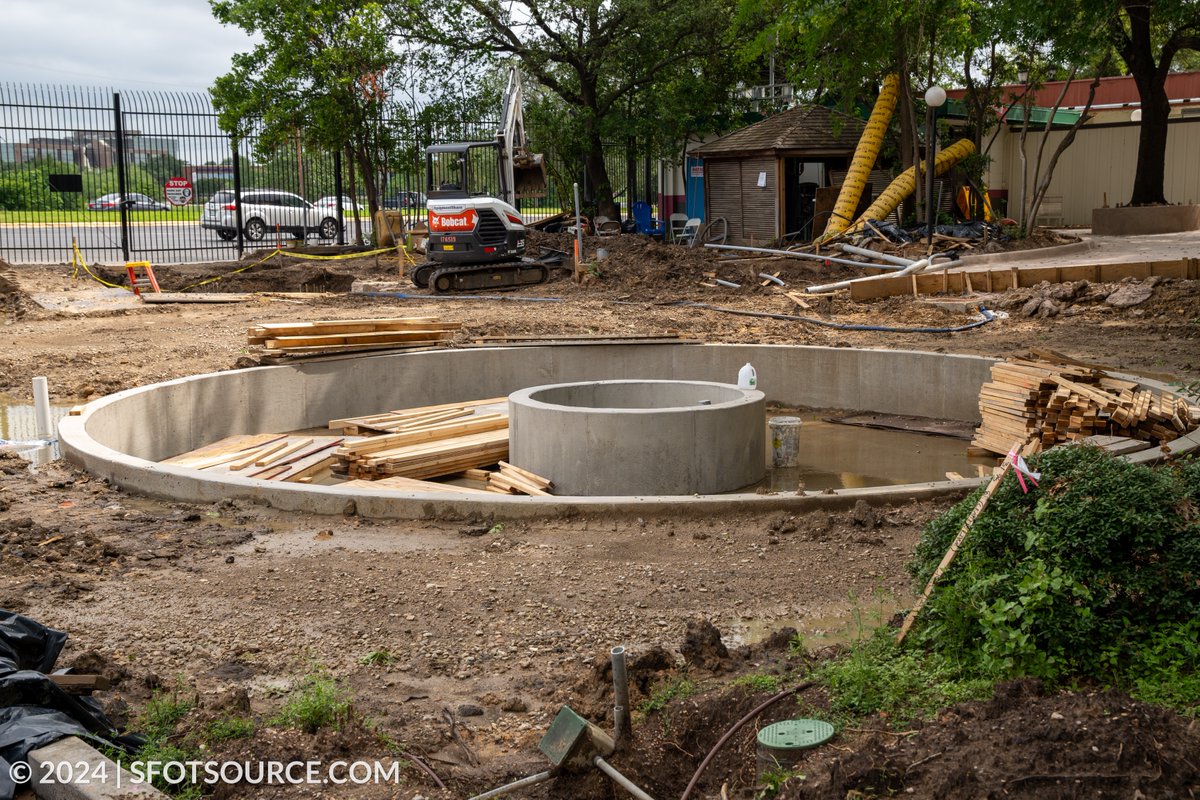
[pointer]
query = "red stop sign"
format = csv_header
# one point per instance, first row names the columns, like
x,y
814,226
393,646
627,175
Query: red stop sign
x,y
178,191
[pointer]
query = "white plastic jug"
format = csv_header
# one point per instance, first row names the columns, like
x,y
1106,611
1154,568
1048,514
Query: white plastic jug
x,y
747,377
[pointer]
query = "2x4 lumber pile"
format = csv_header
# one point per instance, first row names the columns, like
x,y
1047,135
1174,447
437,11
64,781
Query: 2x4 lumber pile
x,y
401,483
266,456
392,421
333,336
514,480
427,459
1050,398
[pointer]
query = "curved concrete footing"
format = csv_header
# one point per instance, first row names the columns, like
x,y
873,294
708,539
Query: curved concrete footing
x,y
123,436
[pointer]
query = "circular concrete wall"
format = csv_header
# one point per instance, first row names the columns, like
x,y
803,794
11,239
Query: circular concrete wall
x,y
122,437
640,437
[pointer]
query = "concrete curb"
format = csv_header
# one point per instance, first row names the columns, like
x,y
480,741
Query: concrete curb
x,y
93,775
1028,255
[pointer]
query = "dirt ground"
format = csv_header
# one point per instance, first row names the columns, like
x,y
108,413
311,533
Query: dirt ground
x,y
495,627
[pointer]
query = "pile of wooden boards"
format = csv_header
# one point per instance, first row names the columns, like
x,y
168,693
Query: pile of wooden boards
x,y
424,442
510,479
267,456
1049,398
351,335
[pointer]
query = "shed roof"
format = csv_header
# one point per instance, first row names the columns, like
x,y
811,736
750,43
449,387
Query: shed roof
x,y
805,128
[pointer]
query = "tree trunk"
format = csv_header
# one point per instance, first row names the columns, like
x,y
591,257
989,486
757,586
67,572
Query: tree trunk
x,y
593,160
1150,179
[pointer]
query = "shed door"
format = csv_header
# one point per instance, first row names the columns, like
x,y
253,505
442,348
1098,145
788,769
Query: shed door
x,y
723,194
760,201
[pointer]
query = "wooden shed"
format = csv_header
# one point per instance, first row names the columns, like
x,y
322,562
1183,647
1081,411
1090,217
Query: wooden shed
x,y
763,178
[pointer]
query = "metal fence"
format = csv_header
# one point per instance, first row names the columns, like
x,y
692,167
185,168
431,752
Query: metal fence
x,y
126,175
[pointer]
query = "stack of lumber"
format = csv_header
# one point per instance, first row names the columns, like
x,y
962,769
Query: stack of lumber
x,y
266,456
1049,398
411,419
427,449
514,480
349,335
403,484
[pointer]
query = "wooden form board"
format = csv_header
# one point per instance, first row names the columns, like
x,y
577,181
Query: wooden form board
x,y
1001,279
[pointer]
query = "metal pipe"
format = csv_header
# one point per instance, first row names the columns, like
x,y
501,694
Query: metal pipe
x,y
916,266
621,722
541,777
796,254
727,284
578,233
626,784
41,408
862,251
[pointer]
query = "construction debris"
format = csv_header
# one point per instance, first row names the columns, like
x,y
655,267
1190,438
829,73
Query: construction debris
x,y
266,456
341,336
1049,398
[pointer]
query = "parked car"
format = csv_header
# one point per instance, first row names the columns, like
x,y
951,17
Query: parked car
x,y
136,202
264,211
331,203
405,200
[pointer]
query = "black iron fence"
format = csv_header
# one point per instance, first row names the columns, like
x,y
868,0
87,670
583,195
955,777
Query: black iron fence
x,y
127,176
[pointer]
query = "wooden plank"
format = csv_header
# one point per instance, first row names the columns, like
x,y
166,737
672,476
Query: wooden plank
x,y
532,477
242,463
292,448
270,329
80,684
230,445
309,470
344,339
337,423
381,444
401,483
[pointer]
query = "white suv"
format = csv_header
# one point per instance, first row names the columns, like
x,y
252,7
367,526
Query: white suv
x,y
264,211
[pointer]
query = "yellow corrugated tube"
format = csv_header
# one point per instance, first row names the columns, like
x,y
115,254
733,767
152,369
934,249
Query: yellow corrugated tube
x,y
869,145
904,184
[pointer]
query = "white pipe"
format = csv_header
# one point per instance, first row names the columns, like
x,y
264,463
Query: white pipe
x,y
923,265
862,251
773,279
795,254
916,266
727,284
625,783
515,785
41,408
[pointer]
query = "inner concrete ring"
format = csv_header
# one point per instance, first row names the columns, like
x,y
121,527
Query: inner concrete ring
x,y
640,437
122,437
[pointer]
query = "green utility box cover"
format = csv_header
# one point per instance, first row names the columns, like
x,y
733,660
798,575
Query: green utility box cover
x,y
572,741
795,734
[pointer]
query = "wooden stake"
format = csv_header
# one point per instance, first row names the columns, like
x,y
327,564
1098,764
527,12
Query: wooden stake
x,y
997,479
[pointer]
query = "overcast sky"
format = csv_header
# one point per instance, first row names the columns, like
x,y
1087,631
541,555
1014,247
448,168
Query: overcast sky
x,y
122,44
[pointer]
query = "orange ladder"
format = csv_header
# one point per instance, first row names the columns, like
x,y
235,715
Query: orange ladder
x,y
145,281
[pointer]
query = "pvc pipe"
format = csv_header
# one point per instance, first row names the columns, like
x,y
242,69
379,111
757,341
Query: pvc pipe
x,y
621,726
621,780
578,231
862,251
727,284
772,278
532,780
41,408
916,266
796,254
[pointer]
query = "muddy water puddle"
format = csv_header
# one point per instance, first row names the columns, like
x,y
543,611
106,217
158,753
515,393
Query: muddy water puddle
x,y
836,456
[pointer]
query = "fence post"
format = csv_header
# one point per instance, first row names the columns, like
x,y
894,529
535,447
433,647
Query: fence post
x,y
337,192
122,182
237,196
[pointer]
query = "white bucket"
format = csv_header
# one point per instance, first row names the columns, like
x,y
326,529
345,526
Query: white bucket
x,y
785,441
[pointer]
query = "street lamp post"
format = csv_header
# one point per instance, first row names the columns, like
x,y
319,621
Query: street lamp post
x,y
935,97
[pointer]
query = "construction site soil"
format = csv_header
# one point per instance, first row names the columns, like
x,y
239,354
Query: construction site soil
x,y
458,640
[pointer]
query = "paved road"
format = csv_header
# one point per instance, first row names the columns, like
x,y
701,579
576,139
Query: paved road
x,y
100,242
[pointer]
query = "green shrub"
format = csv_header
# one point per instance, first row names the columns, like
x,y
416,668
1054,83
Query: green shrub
x,y
318,703
1095,574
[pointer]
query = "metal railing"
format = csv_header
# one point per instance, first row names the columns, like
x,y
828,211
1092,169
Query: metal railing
x,y
126,175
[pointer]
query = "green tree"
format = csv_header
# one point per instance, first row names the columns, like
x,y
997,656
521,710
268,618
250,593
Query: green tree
x,y
325,71
593,55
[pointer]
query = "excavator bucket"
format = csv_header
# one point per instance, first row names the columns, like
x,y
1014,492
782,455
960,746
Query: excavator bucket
x,y
529,175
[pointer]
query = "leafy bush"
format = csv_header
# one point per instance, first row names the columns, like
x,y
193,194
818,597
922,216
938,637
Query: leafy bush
x,y
1095,574
318,703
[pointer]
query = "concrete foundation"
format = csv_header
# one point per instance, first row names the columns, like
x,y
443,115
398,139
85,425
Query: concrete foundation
x,y
1145,220
120,437
640,437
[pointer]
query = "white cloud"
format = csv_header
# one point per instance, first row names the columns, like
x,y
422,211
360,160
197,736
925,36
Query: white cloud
x,y
146,44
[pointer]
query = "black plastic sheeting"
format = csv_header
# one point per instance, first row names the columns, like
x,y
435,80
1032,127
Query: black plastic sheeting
x,y
963,230
34,712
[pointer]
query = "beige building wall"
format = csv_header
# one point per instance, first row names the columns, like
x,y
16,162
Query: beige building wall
x,y
1101,162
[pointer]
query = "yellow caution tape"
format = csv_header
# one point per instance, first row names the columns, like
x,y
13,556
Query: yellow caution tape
x,y
77,262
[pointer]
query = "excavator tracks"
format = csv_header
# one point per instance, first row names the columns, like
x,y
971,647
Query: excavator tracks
x,y
479,277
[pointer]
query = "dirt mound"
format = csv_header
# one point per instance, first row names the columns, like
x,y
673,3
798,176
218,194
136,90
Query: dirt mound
x,y
14,303
1024,743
